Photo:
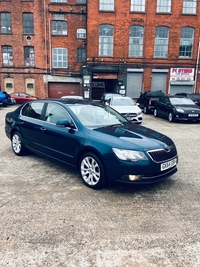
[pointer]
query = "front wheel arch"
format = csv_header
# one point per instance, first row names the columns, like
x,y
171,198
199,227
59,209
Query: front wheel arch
x,y
92,170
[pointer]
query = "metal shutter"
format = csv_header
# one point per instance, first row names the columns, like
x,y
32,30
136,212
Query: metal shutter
x,y
159,81
134,84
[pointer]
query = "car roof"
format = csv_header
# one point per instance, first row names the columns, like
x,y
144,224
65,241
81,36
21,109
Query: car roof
x,y
68,101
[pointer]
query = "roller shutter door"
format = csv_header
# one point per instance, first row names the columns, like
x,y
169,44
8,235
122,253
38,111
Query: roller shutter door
x,y
134,84
56,90
174,89
159,81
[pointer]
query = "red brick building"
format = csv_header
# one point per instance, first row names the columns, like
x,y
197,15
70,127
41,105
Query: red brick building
x,y
22,61
140,45
51,48
42,46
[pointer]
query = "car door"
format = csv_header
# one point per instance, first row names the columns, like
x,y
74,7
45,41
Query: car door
x,y
57,142
30,123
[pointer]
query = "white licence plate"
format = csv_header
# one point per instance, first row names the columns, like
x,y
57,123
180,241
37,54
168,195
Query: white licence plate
x,y
166,165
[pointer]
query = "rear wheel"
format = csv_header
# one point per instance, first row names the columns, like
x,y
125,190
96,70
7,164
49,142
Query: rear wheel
x,y
92,171
145,109
17,144
155,113
170,117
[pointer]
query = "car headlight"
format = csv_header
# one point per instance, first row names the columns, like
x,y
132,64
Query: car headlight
x,y
180,110
130,155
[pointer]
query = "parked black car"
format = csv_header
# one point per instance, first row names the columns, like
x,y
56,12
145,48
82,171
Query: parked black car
x,y
98,141
177,108
147,100
194,96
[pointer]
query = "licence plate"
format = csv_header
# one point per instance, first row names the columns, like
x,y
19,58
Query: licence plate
x,y
193,115
166,165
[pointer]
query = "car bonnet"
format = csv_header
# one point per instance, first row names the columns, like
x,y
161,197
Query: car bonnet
x,y
139,136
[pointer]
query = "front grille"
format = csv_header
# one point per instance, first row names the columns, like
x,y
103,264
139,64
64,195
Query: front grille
x,y
160,155
129,115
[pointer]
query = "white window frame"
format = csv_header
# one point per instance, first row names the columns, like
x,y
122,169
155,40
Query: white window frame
x,y
136,41
106,40
138,5
58,1
81,33
60,57
189,6
186,41
164,6
106,5
161,42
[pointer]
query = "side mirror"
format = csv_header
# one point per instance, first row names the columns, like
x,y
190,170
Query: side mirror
x,y
64,123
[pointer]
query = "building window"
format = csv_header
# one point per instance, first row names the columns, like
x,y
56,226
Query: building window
x,y
186,42
161,42
136,41
9,85
137,5
106,40
189,6
5,23
29,56
106,5
58,1
81,2
28,23
59,27
81,33
7,55
81,55
163,6
60,57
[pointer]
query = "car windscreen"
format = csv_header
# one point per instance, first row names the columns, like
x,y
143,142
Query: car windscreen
x,y
181,101
123,102
97,116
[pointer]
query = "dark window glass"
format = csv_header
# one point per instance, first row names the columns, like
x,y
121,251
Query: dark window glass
x,y
28,23
33,110
5,23
81,54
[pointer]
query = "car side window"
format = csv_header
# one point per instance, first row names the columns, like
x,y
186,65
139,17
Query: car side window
x,y
33,110
54,112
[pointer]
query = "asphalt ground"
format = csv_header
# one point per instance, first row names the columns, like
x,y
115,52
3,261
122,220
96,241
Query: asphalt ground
x,y
49,218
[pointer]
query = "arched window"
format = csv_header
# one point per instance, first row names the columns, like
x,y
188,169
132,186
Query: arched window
x,y
161,42
136,41
106,40
186,42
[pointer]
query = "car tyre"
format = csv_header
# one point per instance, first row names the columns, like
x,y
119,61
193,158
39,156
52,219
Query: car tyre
x,y
170,117
92,171
17,144
155,113
145,109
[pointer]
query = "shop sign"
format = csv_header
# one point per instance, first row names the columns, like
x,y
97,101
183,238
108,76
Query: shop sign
x,y
105,76
182,74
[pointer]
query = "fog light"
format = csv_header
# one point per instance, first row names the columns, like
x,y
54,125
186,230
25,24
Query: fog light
x,y
134,177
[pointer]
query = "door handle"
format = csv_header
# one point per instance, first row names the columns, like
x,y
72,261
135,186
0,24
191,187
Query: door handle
x,y
43,129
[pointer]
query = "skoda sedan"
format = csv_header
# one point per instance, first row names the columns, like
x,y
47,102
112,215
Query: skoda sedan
x,y
94,138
